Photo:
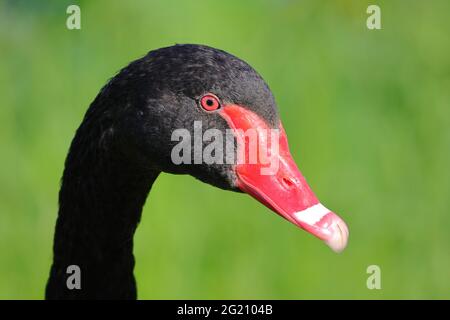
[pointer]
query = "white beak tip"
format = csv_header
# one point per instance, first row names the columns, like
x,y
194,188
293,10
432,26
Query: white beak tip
x,y
325,225
339,238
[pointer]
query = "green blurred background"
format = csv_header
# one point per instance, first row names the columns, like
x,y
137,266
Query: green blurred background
x,y
367,113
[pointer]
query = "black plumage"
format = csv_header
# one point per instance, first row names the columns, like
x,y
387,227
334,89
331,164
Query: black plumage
x,y
122,145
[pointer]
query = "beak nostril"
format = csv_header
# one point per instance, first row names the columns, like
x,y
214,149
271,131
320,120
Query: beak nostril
x,y
287,182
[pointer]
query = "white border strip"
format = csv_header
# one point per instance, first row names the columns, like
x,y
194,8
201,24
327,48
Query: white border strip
x,y
311,215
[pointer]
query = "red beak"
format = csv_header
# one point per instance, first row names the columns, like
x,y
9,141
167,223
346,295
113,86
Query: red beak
x,y
274,179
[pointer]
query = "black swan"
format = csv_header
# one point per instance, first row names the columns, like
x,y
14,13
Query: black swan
x,y
125,141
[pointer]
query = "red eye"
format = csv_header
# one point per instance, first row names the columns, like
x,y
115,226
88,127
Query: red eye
x,y
209,102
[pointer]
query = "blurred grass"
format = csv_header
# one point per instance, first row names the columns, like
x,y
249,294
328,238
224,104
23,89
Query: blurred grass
x,y
367,114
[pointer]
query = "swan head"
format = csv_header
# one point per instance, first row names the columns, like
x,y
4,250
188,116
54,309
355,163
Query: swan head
x,y
192,109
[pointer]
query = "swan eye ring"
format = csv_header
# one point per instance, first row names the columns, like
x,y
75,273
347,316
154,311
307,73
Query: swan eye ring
x,y
209,102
